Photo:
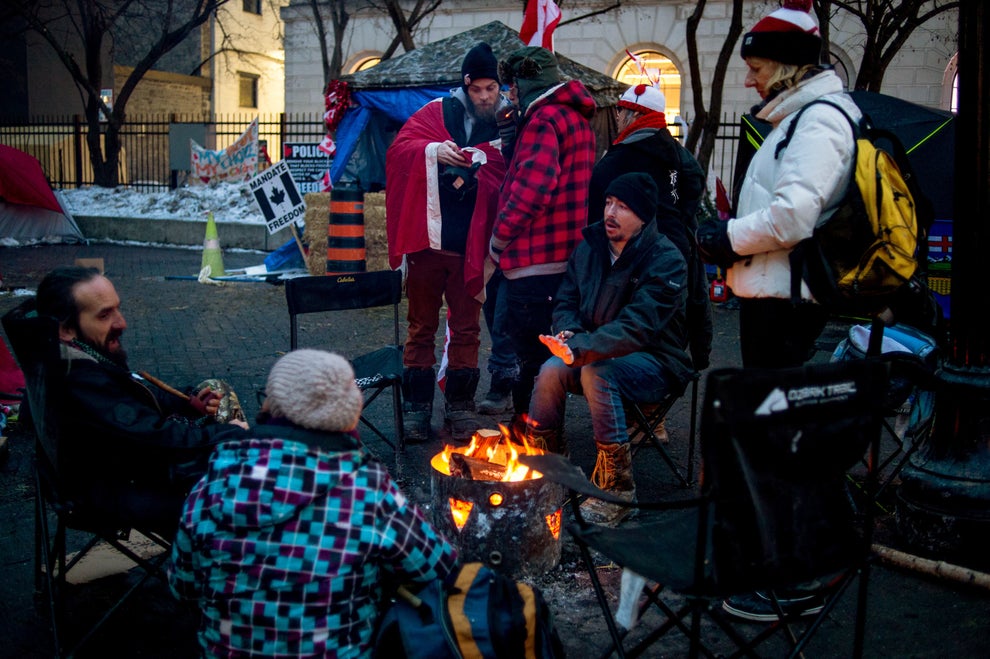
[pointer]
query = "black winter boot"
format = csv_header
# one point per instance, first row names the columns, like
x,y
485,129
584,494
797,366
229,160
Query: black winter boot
x,y
459,408
498,400
417,403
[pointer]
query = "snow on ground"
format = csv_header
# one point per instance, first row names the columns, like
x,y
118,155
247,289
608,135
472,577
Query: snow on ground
x,y
230,202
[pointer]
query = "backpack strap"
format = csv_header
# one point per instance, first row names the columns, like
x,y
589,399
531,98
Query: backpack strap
x,y
797,255
857,130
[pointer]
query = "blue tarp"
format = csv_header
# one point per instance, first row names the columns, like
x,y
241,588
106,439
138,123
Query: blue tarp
x,y
377,109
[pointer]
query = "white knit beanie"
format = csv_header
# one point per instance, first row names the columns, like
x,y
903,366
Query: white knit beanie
x,y
644,99
314,389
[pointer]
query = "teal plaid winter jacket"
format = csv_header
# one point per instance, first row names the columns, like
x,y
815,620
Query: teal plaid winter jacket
x,y
284,542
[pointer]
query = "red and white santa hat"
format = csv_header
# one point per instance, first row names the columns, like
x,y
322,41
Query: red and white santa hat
x,y
644,99
788,35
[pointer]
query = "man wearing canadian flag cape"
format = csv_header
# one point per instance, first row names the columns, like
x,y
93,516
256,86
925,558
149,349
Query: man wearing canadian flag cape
x,y
444,170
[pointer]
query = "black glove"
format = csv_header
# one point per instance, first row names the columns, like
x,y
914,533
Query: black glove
x,y
507,120
714,245
460,181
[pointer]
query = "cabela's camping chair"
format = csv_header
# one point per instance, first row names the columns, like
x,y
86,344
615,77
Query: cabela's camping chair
x,y
774,511
58,496
375,372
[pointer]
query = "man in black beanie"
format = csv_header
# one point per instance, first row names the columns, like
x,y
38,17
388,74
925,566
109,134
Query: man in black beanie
x,y
443,175
620,333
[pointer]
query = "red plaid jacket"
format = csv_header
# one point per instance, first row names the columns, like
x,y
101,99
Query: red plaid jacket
x,y
543,203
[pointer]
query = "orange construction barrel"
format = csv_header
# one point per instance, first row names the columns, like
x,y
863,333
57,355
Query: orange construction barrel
x,y
345,231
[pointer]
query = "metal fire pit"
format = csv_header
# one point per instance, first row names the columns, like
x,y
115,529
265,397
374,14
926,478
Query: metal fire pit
x,y
511,526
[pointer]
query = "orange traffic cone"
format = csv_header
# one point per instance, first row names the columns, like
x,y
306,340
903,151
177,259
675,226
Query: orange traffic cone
x,y
212,256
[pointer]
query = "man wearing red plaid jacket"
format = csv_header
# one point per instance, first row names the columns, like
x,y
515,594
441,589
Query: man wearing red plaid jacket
x,y
542,207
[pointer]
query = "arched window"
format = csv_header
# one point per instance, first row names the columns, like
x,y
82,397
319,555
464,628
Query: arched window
x,y
657,67
362,61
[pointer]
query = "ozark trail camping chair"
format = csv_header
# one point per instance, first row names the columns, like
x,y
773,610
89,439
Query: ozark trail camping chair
x,y
774,510
377,371
642,420
35,343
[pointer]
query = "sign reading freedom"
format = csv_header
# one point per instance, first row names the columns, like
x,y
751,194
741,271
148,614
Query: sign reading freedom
x,y
276,195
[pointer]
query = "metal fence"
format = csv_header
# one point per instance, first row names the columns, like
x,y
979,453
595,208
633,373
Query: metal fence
x,y
150,142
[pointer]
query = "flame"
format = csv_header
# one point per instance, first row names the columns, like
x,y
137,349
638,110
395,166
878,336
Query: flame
x,y
460,511
497,449
553,523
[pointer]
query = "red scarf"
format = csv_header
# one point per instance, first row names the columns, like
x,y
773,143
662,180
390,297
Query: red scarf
x,y
651,120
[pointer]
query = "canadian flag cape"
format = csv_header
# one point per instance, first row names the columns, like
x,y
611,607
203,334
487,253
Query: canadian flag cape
x,y
412,199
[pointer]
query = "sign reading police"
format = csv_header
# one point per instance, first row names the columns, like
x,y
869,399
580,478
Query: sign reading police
x,y
308,164
276,195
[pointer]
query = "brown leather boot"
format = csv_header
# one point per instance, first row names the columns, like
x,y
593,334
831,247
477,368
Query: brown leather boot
x,y
613,473
550,440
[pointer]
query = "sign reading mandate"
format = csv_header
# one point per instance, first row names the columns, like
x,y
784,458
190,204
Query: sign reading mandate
x,y
276,195
308,165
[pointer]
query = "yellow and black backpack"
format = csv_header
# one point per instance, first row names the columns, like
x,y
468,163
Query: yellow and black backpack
x,y
869,248
476,614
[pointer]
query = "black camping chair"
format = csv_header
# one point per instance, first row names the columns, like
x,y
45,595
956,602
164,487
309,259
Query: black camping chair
x,y
377,371
35,343
642,420
775,508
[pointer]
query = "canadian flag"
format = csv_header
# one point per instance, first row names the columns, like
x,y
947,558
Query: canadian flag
x,y
539,22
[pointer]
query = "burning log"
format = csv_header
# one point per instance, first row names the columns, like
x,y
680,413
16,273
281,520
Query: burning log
x,y
495,509
475,469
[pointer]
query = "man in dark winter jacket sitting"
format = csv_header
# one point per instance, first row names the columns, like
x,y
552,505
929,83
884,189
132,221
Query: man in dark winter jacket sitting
x,y
620,333
136,448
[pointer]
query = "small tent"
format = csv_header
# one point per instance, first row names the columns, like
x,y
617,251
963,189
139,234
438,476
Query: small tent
x,y
29,211
928,136
384,96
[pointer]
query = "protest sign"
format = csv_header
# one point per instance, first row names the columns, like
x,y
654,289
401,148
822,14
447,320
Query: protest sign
x,y
277,196
238,162
308,163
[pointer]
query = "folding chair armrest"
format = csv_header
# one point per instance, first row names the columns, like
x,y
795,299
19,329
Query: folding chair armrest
x,y
561,470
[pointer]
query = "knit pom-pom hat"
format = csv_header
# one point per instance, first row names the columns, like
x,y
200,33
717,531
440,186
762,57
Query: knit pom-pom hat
x,y
643,98
788,35
314,389
638,191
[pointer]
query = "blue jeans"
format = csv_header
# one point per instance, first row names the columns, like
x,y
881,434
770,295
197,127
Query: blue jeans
x,y
637,377
502,364
529,312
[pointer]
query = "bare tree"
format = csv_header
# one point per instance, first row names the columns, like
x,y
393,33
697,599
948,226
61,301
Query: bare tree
x,y
704,128
405,26
337,15
88,27
887,25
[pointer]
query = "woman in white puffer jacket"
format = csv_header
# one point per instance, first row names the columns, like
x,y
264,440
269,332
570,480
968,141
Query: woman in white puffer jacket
x,y
783,195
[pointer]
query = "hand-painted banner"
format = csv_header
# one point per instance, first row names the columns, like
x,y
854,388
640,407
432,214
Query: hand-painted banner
x,y
238,162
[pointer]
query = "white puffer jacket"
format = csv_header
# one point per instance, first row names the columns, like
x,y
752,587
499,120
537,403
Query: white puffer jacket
x,y
782,199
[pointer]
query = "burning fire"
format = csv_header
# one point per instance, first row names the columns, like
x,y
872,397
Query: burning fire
x,y
491,455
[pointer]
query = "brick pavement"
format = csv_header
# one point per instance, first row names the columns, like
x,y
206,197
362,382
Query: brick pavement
x,y
182,330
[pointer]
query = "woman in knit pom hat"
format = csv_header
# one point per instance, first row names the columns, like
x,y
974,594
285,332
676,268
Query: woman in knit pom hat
x,y
283,542
783,195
